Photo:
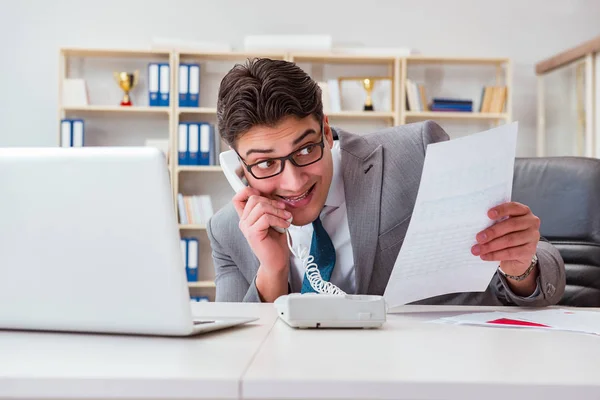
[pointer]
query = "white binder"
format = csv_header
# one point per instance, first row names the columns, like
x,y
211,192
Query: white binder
x,y
153,85
193,137
182,143
192,253
77,133
194,90
183,85
65,133
165,87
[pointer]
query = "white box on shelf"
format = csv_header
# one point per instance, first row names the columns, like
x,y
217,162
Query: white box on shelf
x,y
288,42
159,43
375,51
74,93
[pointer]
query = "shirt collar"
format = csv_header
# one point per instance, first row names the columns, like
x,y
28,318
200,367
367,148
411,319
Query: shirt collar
x,y
336,197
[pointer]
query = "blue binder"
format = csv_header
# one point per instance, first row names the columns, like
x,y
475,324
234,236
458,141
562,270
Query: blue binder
x,y
153,84
184,85
182,143
193,143
207,139
194,85
77,133
192,259
72,132
66,133
164,84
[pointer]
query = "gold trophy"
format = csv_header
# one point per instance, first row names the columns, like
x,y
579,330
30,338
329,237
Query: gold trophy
x,y
368,84
127,81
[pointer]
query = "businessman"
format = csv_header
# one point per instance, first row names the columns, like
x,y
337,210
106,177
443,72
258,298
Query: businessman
x,y
351,200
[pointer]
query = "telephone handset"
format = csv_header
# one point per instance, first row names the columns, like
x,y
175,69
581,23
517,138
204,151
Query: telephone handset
x,y
233,172
232,168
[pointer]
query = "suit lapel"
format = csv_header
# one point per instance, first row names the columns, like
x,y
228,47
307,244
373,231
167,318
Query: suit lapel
x,y
362,165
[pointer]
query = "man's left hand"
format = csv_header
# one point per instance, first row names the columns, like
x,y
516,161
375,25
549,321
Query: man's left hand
x,y
512,241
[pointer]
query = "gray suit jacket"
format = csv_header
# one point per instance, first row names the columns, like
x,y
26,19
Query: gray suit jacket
x,y
381,174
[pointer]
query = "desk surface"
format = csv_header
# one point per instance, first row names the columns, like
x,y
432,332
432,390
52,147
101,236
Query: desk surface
x,y
408,358
57,365
411,358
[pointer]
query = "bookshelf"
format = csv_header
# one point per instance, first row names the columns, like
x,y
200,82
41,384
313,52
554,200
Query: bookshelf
x,y
491,71
105,115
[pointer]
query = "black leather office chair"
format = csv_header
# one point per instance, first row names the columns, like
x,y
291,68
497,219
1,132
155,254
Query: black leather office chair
x,y
565,193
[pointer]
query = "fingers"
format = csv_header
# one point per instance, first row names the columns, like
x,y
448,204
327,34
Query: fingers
x,y
241,197
509,209
260,207
267,220
514,224
246,199
522,252
513,239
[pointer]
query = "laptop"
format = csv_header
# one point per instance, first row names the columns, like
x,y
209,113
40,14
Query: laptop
x,y
89,242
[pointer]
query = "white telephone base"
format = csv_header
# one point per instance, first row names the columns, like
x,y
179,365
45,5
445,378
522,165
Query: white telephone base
x,y
312,310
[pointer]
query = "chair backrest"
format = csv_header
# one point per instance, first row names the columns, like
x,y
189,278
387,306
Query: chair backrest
x,y
564,192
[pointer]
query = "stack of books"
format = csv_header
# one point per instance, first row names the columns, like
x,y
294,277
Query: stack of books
x,y
194,210
416,99
493,99
451,105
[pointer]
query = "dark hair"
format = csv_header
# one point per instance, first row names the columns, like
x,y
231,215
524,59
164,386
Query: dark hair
x,y
263,92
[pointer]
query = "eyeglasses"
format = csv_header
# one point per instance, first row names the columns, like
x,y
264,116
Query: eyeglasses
x,y
304,156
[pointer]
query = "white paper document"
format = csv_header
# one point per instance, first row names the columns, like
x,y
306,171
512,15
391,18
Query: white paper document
x,y
461,180
571,320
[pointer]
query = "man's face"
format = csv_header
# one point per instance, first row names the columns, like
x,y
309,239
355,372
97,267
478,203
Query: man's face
x,y
303,189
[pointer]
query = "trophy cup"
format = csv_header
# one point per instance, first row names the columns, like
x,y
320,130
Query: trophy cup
x,y
368,84
126,81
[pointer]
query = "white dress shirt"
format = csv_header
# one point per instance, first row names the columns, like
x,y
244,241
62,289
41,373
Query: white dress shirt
x,y
335,221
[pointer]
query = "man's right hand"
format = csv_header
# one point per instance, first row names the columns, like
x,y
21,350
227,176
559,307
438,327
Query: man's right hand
x,y
257,215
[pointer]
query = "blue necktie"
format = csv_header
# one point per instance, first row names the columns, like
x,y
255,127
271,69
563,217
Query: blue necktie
x,y
321,248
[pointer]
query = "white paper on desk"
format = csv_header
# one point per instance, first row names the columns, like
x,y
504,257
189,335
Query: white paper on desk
x,y
548,319
461,180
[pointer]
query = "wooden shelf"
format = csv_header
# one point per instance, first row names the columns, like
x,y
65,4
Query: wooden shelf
x,y
361,114
118,109
199,168
192,227
90,52
455,60
196,110
202,284
453,115
338,58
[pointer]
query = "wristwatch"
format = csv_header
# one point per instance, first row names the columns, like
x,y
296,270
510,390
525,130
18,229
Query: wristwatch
x,y
534,261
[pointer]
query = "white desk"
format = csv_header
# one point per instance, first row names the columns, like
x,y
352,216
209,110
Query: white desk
x,y
65,366
411,359
407,359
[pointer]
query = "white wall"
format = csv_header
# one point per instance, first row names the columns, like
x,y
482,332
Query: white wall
x,y
32,31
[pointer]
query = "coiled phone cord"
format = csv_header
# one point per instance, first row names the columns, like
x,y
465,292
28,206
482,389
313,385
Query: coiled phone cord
x,y
312,270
